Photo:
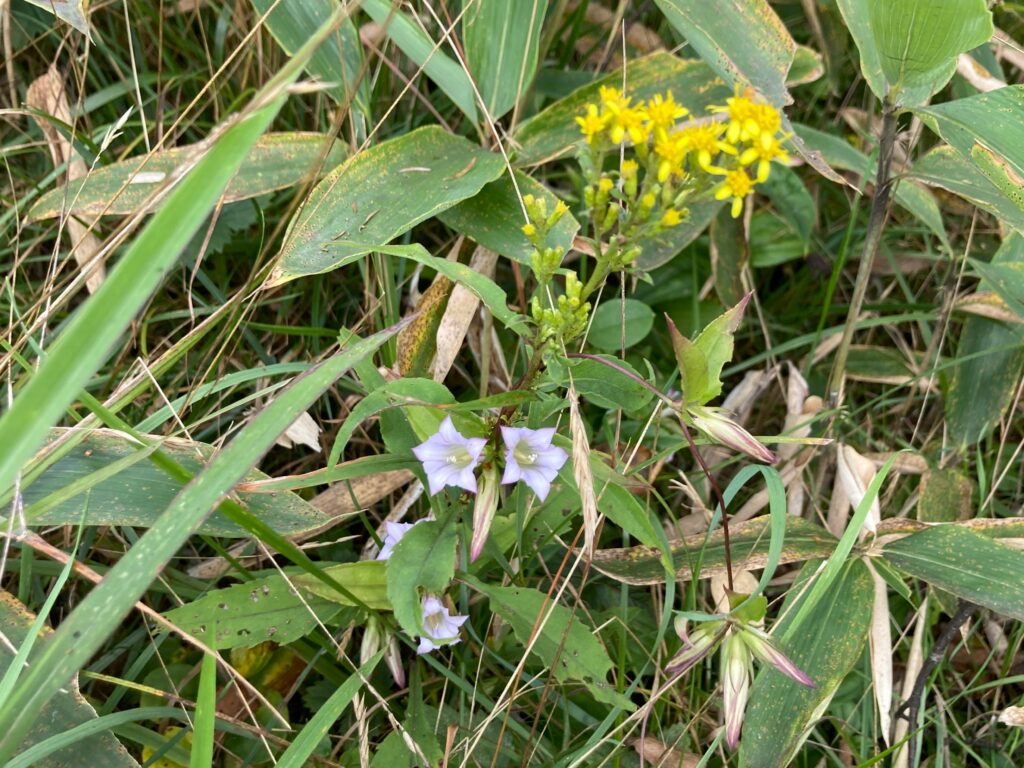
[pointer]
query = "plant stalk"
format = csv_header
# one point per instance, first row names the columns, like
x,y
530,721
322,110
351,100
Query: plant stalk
x,y
880,207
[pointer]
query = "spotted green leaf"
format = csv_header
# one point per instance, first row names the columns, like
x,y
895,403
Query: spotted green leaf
x,y
276,161
379,194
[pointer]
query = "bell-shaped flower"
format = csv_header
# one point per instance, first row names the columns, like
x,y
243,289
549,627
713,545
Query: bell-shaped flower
x,y
736,673
439,627
393,534
449,458
761,646
484,510
724,430
530,457
697,645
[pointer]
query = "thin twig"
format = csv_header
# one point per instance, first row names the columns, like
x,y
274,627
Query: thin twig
x,y
911,708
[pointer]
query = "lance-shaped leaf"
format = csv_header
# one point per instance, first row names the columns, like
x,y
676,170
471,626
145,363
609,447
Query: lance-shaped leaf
x,y
968,565
501,38
424,559
378,195
276,161
744,41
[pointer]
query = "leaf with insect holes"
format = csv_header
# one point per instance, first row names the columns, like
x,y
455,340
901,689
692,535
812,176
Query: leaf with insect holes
x,y
253,612
701,361
66,710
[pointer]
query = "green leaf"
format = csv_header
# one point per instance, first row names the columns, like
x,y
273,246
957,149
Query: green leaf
x,y
911,196
829,642
693,365
201,749
337,62
379,194
990,360
611,317
425,53
608,388
742,40
807,67
918,42
661,249
964,563
253,612
792,201
485,289
855,14
501,38
715,342
986,130
313,732
621,506
750,546
947,169
1006,279
276,161
493,218
424,559
66,710
138,493
563,643
553,132
365,579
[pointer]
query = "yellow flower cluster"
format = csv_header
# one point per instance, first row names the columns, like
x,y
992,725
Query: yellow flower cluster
x,y
735,140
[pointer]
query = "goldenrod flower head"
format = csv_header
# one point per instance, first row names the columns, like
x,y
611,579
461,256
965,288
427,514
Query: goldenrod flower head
x,y
648,201
748,119
662,113
605,184
765,149
737,185
670,218
529,230
561,208
705,141
592,124
612,98
629,169
529,200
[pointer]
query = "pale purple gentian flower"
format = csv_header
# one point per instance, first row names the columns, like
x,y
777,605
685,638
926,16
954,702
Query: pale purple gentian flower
x,y
449,458
393,534
530,457
439,627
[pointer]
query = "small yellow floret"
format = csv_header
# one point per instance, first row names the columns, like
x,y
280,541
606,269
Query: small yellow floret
x,y
592,124
763,151
670,218
529,230
737,185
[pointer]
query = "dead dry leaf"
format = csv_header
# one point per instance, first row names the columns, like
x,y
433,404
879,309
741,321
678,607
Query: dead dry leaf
x,y
855,473
303,431
458,315
47,94
582,474
880,642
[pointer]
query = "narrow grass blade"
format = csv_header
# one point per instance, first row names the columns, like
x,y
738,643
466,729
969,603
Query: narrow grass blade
x,y
313,731
206,714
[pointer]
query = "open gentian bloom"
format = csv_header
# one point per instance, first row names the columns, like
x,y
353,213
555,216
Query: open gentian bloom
x,y
530,457
439,626
449,458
